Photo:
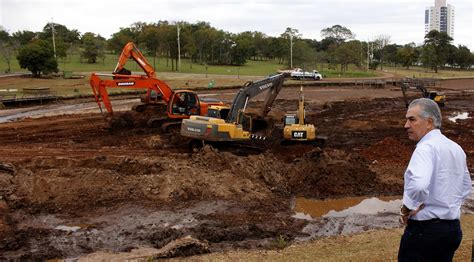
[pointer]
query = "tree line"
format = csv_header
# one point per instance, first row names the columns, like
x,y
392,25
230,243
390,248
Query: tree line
x,y
201,43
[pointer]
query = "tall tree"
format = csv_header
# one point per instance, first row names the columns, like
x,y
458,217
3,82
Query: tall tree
x,y
6,48
304,55
168,35
121,38
338,32
327,44
407,55
436,49
92,47
463,57
239,53
278,49
381,42
348,53
24,37
201,37
261,43
246,40
151,40
391,54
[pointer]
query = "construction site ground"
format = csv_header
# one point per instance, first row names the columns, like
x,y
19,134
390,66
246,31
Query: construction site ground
x,y
72,187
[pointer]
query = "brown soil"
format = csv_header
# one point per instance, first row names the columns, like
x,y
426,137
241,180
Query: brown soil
x,y
70,186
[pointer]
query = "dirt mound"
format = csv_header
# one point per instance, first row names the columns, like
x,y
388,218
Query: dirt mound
x,y
65,184
68,185
334,173
133,119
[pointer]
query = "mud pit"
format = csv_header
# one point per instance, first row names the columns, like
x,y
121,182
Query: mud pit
x,y
70,187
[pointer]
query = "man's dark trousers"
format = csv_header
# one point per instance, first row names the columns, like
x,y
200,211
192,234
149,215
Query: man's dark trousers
x,y
432,240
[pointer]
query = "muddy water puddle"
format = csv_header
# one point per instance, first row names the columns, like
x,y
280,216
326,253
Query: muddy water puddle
x,y
353,215
346,215
346,206
459,116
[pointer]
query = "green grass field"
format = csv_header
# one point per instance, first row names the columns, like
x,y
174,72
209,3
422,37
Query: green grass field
x,y
421,72
251,68
220,75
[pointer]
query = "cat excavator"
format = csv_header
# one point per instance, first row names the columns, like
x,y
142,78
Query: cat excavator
x,y
296,130
418,84
239,125
171,106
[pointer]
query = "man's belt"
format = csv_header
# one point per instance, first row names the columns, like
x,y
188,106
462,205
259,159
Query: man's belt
x,y
432,221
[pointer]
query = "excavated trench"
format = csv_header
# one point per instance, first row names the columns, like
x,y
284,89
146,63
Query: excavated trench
x,y
70,186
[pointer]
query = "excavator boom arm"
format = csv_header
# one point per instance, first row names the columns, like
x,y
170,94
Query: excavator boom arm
x,y
273,84
99,88
301,112
131,50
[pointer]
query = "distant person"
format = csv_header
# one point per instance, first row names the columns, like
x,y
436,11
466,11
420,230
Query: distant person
x,y
437,181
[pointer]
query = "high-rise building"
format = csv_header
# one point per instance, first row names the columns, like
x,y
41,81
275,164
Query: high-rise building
x,y
440,17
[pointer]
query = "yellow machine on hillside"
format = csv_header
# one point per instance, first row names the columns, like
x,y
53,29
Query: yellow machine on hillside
x,y
238,126
296,130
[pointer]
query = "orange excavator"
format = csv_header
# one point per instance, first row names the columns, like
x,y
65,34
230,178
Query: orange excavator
x,y
171,105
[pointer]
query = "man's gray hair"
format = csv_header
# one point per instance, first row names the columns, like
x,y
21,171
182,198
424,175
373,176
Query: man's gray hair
x,y
429,109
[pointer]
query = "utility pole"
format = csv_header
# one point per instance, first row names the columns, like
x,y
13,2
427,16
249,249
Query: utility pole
x,y
54,42
291,51
179,47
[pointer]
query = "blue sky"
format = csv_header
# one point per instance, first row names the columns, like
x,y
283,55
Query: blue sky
x,y
402,20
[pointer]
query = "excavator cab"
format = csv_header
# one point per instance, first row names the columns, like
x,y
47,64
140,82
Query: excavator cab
x,y
218,111
290,119
245,120
184,103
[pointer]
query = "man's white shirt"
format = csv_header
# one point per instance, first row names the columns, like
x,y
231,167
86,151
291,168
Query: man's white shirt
x,y
437,176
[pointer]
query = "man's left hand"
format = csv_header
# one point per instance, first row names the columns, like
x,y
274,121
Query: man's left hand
x,y
406,213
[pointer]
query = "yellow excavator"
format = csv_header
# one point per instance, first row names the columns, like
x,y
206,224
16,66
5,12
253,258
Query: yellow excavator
x,y
418,84
296,130
238,126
